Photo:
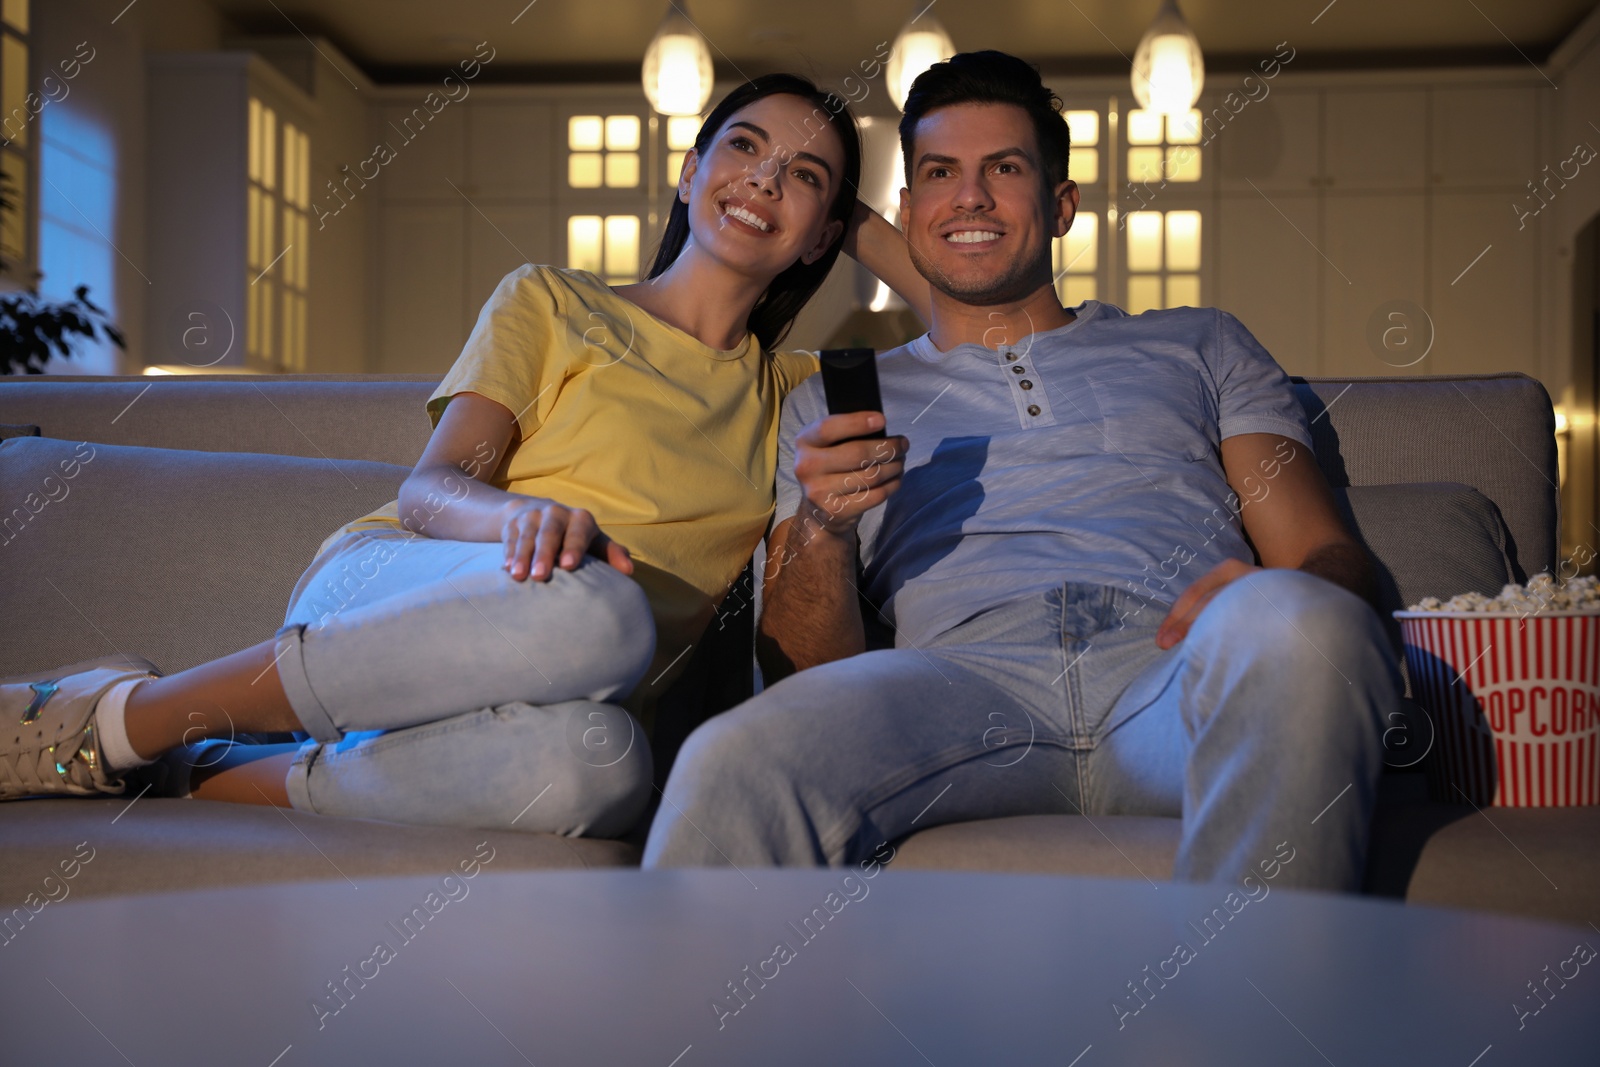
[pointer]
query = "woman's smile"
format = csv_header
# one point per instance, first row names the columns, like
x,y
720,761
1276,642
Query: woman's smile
x,y
744,213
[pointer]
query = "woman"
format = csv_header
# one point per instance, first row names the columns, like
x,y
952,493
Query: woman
x,y
482,627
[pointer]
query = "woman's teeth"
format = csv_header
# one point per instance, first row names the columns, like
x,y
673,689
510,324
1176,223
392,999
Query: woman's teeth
x,y
734,212
971,237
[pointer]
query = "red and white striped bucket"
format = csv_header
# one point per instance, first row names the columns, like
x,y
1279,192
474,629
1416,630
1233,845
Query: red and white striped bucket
x,y
1515,701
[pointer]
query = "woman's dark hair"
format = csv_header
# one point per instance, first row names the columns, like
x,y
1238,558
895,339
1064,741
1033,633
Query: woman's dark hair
x,y
777,308
990,77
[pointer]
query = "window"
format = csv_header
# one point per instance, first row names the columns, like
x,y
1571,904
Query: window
x,y
1077,260
277,246
297,233
1079,263
603,151
1083,165
1163,260
1163,246
17,141
616,161
1163,148
1136,239
681,132
605,245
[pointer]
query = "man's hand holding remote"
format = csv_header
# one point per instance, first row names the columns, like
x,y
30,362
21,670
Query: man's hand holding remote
x,y
843,473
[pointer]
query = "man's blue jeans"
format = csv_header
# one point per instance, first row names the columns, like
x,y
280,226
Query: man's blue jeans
x,y
1264,725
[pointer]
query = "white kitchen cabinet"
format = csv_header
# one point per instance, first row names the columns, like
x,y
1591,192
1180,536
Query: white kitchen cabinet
x,y
1485,137
1274,145
1267,273
1484,287
421,271
1375,139
1319,207
499,240
428,149
508,149
1376,253
224,191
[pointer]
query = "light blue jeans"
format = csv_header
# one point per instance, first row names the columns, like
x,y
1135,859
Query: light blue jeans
x,y
1264,725
437,689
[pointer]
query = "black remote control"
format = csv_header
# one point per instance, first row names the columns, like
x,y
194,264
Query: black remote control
x,y
850,382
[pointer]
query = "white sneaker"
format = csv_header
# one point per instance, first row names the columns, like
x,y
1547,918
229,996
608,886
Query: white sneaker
x,y
48,742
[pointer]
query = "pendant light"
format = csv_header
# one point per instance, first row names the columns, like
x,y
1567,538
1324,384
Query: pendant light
x,y
922,43
1168,69
677,65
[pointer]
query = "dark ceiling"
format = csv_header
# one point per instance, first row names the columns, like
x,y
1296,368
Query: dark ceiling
x,y
590,40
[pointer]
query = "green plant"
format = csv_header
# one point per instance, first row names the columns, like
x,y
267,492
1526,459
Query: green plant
x,y
31,327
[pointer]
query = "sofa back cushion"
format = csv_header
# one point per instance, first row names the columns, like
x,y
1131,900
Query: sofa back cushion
x,y
173,555
1427,539
1493,432
340,416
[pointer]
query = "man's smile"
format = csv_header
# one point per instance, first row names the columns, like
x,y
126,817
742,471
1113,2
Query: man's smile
x,y
972,233
971,237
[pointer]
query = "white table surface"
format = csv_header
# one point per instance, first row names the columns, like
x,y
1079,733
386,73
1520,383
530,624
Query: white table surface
x,y
622,967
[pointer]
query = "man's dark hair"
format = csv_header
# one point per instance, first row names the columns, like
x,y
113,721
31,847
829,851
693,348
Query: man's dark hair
x,y
990,77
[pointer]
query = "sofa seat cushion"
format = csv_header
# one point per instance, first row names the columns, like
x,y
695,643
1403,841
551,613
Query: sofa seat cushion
x,y
176,556
1535,862
156,844
1111,846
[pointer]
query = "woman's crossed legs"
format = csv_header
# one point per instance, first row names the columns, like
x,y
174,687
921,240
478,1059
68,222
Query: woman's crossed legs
x,y
436,689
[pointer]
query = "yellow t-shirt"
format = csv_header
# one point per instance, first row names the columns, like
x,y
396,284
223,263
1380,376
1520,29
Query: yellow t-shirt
x,y
671,444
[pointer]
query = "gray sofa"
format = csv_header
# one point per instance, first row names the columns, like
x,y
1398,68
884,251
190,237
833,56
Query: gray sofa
x,y
196,502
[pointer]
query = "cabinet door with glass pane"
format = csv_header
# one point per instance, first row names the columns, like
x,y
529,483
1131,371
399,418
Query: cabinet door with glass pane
x,y
278,238
603,191
1139,237
18,143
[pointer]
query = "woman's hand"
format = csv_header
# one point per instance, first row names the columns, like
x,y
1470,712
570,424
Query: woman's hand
x,y
535,530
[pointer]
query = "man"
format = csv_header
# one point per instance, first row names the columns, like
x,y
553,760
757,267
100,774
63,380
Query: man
x,y
1061,535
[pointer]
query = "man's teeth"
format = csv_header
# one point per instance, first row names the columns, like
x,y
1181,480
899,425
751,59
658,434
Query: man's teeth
x,y
734,212
971,237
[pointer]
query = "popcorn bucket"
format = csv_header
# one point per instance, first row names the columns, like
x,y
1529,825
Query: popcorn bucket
x,y
1515,702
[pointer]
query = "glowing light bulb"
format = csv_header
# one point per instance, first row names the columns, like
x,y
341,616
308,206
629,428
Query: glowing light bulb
x,y
922,43
1168,69
677,71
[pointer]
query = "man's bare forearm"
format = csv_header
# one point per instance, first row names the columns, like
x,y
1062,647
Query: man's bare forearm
x,y
1347,565
810,613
